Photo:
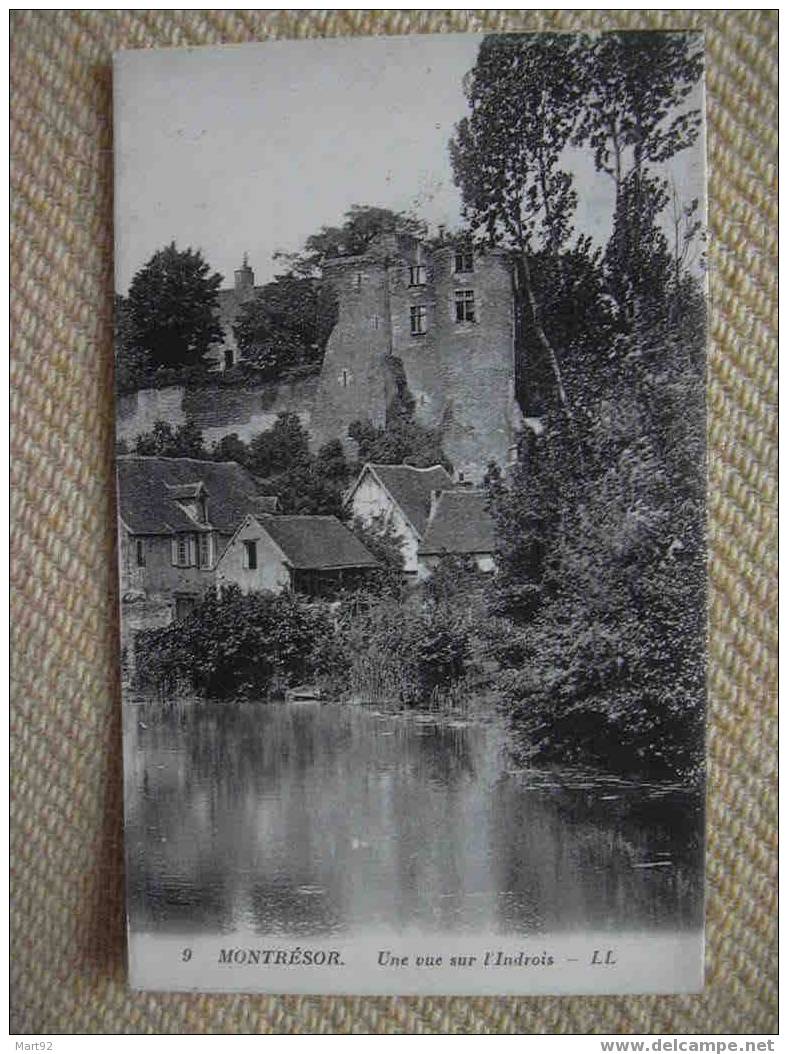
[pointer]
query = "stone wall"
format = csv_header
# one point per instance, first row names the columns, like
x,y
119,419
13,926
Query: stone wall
x,y
217,411
353,384
461,374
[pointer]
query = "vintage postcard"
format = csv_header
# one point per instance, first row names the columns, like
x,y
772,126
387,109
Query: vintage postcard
x,y
410,366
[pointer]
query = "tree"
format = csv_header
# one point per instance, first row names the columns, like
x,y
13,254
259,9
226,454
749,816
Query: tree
x,y
401,442
163,441
362,223
601,560
286,325
231,448
386,546
282,447
305,483
635,85
172,309
524,95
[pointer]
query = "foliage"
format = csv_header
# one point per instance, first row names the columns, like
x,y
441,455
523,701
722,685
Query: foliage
x,y
401,442
524,98
285,326
238,645
530,96
386,546
635,85
601,557
405,654
597,608
163,441
455,580
170,317
306,483
362,223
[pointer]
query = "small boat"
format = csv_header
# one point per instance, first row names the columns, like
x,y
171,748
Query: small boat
x,y
303,693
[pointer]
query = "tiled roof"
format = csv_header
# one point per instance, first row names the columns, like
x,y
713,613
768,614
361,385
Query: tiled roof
x,y
148,504
185,491
460,524
411,488
312,543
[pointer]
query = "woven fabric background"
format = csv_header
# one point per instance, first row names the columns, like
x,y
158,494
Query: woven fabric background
x,y
67,878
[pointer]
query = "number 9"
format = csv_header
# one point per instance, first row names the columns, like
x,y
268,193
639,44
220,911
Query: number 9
x,y
186,954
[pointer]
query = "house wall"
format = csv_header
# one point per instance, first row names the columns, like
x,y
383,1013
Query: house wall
x,y
271,572
485,563
159,576
372,504
148,594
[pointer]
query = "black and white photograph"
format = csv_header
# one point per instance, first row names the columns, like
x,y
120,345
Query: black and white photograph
x,y
410,363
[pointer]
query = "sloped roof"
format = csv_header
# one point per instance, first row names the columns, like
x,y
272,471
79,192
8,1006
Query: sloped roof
x,y
460,524
185,491
149,489
411,488
312,543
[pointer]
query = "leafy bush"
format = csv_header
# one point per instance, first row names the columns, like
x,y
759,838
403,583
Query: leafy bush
x,y
239,645
405,654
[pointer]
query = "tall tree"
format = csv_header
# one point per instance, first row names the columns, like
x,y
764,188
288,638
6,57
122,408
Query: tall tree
x,y
635,87
523,94
172,309
286,325
362,223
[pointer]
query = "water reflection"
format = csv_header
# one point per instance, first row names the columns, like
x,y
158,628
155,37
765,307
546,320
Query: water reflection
x,y
304,819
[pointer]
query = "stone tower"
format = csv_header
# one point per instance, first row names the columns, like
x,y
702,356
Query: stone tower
x,y
448,317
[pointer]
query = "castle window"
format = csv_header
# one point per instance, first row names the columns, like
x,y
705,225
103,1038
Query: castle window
x,y
464,306
250,556
418,275
140,552
183,552
344,378
358,279
418,320
463,262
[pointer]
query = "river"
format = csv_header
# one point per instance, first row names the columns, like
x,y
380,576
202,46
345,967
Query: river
x,y
304,819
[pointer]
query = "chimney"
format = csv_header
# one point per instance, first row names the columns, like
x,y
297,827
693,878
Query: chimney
x,y
244,280
434,499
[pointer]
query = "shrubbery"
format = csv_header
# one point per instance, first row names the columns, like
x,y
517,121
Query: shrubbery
x,y
239,645
405,654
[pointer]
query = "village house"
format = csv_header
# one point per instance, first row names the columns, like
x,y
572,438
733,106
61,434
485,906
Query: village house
x,y
176,516
460,525
313,555
398,497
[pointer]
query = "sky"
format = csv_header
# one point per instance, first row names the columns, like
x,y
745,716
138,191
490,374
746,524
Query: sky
x,y
252,148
